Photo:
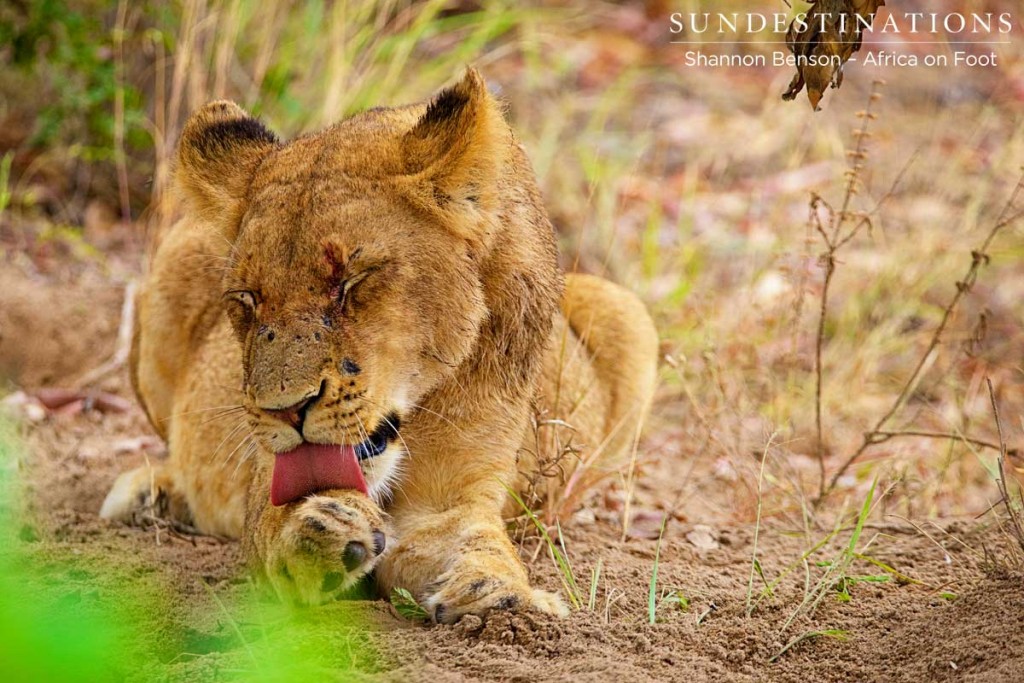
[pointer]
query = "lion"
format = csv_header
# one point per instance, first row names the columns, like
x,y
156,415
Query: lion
x,y
346,340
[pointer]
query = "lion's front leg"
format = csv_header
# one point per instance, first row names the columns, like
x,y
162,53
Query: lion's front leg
x,y
313,549
460,562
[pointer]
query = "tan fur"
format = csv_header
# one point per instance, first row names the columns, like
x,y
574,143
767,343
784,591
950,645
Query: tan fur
x,y
397,264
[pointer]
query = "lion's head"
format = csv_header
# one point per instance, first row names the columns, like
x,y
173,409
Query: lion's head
x,y
351,267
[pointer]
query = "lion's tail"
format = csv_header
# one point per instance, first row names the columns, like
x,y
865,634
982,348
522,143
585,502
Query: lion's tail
x,y
596,388
622,342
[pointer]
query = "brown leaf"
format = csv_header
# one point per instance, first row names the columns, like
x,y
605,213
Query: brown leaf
x,y
136,444
824,43
867,7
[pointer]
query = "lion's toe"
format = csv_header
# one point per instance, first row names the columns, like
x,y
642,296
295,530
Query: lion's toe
x,y
143,495
483,592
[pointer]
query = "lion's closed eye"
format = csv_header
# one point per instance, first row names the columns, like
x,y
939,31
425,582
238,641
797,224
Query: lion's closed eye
x,y
348,286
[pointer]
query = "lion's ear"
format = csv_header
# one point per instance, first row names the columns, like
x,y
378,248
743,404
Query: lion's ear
x,y
456,152
218,153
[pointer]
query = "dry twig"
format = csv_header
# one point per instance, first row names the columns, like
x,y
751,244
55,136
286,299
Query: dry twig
x,y
883,436
840,229
552,453
878,434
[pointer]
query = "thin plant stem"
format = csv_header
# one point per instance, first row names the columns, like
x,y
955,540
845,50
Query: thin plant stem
x,y
835,240
979,258
1004,491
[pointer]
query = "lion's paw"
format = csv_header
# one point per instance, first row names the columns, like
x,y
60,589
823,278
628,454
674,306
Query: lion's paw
x,y
142,495
324,547
461,591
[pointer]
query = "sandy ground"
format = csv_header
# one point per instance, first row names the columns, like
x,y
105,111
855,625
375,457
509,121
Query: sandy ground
x,y
957,615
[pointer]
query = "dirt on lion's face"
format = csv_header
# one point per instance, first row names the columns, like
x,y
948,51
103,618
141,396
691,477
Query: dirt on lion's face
x,y
342,340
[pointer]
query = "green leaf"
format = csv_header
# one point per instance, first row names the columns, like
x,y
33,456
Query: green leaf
x,y
760,572
407,606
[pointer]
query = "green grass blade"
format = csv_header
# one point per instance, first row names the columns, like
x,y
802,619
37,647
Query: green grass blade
x,y
595,577
652,603
407,606
5,177
810,635
755,565
564,569
865,510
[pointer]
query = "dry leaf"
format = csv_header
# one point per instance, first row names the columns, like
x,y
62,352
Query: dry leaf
x,y
831,33
867,7
136,444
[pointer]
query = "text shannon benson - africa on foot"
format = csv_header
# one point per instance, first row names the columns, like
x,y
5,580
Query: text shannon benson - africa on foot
x,y
881,58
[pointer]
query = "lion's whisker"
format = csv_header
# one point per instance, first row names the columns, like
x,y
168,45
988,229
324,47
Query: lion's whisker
x,y
231,406
238,431
235,450
249,451
220,416
425,409
239,425
363,437
391,424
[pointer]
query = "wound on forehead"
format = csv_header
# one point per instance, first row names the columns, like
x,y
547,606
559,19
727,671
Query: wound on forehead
x,y
338,256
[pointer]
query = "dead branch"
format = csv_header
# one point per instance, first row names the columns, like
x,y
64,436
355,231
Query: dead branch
x,y
834,240
883,436
124,342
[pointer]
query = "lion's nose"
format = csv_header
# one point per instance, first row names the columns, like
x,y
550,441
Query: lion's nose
x,y
295,414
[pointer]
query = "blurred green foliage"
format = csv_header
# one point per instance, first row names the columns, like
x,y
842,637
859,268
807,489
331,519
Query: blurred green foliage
x,y
49,636
299,65
67,51
80,614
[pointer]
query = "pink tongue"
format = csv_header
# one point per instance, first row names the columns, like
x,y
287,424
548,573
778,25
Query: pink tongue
x,y
314,467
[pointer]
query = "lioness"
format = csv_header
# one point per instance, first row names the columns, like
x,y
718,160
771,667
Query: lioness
x,y
343,342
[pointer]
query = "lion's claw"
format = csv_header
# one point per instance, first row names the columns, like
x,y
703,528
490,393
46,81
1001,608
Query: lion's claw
x,y
457,594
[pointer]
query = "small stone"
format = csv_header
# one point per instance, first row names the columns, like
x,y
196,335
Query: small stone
x,y
34,412
702,537
21,405
470,623
584,517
